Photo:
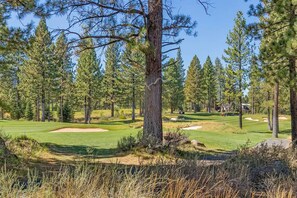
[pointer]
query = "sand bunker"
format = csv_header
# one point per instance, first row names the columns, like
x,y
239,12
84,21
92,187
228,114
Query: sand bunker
x,y
79,130
282,118
251,119
193,128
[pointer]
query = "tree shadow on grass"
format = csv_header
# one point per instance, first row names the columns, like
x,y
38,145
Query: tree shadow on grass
x,y
286,132
117,122
203,114
209,155
81,150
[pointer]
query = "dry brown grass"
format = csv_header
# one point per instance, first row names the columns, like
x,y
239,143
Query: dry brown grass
x,y
234,178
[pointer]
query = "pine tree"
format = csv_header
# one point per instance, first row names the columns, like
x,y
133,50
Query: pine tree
x,y
64,78
29,111
87,81
220,77
180,80
37,74
111,78
237,56
132,76
209,83
255,77
193,84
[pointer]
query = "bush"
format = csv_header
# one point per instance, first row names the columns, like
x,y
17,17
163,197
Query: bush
x,y
24,146
175,138
127,143
122,115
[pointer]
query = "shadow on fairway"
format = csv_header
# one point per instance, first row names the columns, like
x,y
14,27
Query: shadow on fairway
x,y
209,155
118,122
286,132
81,150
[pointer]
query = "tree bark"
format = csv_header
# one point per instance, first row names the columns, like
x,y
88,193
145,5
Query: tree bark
x,y
61,108
86,110
253,102
268,113
275,121
42,105
293,101
112,108
152,129
140,107
2,113
89,110
133,98
37,110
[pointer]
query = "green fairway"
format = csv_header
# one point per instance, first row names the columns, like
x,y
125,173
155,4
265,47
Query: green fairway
x,y
217,132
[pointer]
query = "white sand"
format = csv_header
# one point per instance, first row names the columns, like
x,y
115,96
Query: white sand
x,y
251,119
79,130
192,128
282,118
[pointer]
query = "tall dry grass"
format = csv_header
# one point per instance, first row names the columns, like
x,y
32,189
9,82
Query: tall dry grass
x,y
261,172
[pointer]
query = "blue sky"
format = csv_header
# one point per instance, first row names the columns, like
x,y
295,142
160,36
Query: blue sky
x,y
212,29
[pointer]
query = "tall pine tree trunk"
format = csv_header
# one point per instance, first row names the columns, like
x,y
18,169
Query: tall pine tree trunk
x,y
253,102
240,96
42,105
89,110
275,121
293,101
86,110
37,111
140,107
2,113
133,98
152,129
112,108
61,108
268,113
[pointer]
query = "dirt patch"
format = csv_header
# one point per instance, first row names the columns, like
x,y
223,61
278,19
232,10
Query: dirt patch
x,y
79,130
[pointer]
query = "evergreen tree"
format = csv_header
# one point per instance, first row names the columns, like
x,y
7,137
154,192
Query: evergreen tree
x,y
37,75
193,84
64,79
209,82
132,76
87,81
111,80
220,77
237,56
174,83
230,89
180,80
255,77
29,111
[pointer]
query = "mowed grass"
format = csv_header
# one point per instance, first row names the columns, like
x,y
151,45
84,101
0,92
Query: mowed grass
x,y
218,132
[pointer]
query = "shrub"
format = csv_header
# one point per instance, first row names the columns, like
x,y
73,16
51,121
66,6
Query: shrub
x,y
24,146
127,143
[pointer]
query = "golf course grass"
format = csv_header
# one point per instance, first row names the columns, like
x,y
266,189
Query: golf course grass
x,y
217,132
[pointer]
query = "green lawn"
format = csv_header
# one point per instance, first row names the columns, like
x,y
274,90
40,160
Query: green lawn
x,y
217,132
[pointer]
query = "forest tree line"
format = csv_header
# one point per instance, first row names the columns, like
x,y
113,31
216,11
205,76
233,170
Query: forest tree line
x,y
38,75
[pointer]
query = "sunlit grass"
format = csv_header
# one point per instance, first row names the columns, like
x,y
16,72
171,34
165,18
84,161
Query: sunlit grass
x,y
218,132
